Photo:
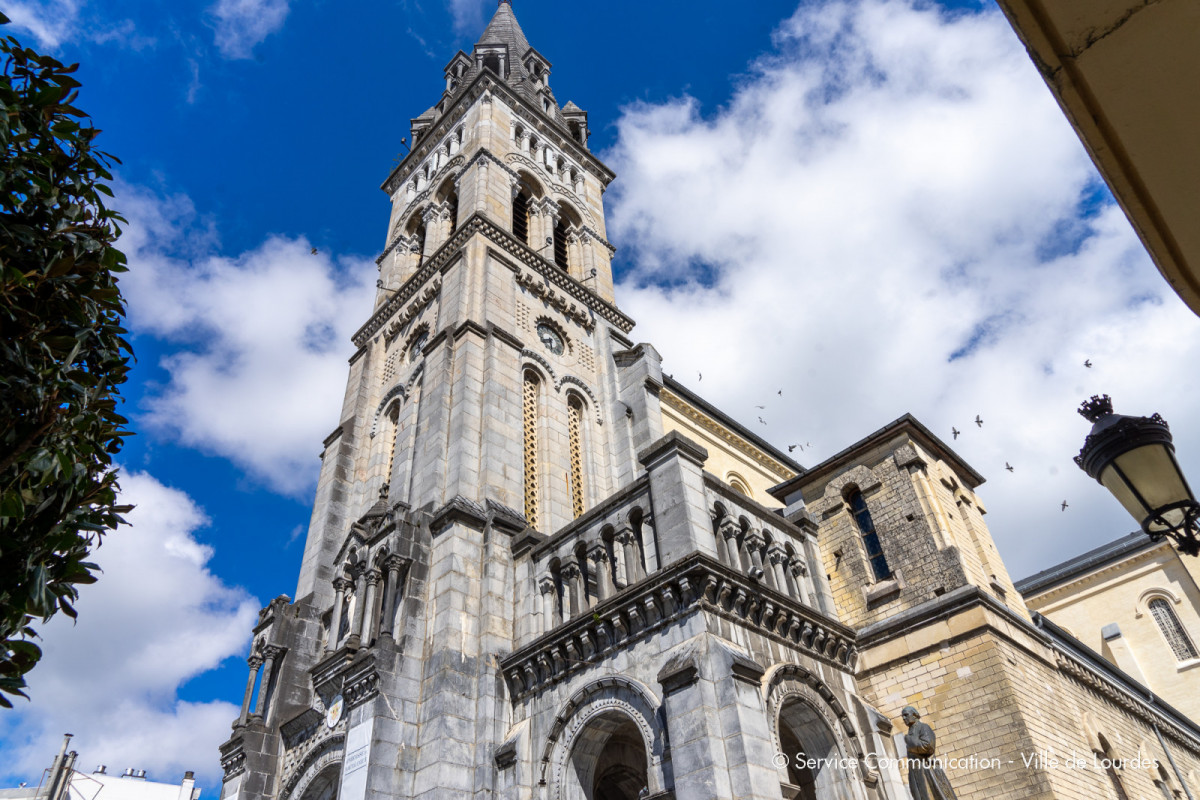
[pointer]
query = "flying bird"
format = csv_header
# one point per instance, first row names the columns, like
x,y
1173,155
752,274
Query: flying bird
x,y
1064,505
701,374
792,447
314,251
1008,466
763,421
780,393
1087,362
955,431
979,420
760,407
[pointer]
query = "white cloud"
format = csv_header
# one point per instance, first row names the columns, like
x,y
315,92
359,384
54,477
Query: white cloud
x,y
261,339
885,217
242,24
156,618
467,16
51,22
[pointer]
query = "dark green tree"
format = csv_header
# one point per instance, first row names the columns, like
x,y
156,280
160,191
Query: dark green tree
x,y
62,352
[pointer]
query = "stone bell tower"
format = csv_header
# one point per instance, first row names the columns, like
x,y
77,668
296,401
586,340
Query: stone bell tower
x,y
514,584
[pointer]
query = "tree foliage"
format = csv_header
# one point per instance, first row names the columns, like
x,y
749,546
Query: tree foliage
x,y
62,352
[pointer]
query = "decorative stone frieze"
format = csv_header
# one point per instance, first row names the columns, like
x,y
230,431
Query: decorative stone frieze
x,y
696,583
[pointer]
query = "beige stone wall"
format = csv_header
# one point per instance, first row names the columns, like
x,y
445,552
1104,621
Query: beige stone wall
x,y
930,525
991,689
1119,594
731,458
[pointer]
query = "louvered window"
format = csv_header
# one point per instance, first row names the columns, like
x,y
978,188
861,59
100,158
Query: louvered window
x,y
520,224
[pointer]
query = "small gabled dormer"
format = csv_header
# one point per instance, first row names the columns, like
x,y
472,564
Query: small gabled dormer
x,y
493,57
538,69
577,123
457,70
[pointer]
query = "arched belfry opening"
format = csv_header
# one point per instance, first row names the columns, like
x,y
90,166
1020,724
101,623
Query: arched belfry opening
x,y
525,194
567,225
608,761
447,199
812,750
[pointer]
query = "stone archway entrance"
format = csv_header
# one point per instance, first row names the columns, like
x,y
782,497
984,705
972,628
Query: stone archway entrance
x,y
813,755
608,760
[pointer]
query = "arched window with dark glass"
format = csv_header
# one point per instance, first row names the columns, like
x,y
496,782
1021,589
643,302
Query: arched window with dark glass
x,y
1172,630
870,539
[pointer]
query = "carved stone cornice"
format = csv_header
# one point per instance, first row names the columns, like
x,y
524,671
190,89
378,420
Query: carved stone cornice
x,y
707,423
697,583
233,757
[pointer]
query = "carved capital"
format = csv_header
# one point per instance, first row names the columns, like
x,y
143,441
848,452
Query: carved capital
x,y
546,584
340,584
598,554
394,563
373,577
254,662
625,535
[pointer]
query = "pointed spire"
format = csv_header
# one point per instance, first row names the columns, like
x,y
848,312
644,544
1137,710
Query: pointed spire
x,y
504,29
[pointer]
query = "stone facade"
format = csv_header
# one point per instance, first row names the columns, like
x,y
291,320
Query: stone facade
x,y
523,579
1137,603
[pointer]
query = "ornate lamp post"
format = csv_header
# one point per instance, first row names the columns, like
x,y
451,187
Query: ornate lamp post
x,y
1134,458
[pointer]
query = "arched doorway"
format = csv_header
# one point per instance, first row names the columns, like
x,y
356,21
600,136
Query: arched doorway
x,y
325,785
608,760
812,750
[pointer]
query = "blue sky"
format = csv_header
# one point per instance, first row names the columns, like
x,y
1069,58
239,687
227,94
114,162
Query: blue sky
x,y
874,205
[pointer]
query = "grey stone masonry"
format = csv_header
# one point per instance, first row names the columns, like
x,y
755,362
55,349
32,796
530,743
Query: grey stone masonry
x,y
516,584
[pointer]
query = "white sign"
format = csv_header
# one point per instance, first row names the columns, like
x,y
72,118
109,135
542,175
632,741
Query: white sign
x,y
356,760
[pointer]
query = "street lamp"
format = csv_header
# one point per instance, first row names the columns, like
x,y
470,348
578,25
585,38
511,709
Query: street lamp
x,y
1133,458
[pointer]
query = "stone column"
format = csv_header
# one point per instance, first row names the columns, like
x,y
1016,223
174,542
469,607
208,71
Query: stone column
x,y
433,239
798,570
754,543
549,603
254,662
778,558
335,623
572,577
392,565
598,555
634,571
359,608
728,532
271,653
368,610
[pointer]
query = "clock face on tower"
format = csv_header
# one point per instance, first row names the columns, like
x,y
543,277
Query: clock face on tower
x,y
550,338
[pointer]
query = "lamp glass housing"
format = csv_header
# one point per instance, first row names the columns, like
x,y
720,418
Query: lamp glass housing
x,y
1146,479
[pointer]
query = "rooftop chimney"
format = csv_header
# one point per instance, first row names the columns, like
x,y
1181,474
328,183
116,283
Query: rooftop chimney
x,y
101,770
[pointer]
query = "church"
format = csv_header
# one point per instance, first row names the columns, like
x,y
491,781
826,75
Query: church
x,y
538,567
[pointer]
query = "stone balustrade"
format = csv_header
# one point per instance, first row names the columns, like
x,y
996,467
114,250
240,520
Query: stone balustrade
x,y
605,551
760,543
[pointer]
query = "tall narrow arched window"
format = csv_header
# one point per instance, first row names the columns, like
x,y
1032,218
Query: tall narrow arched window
x,y
870,539
393,415
560,243
529,415
1105,757
520,213
1172,630
575,441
